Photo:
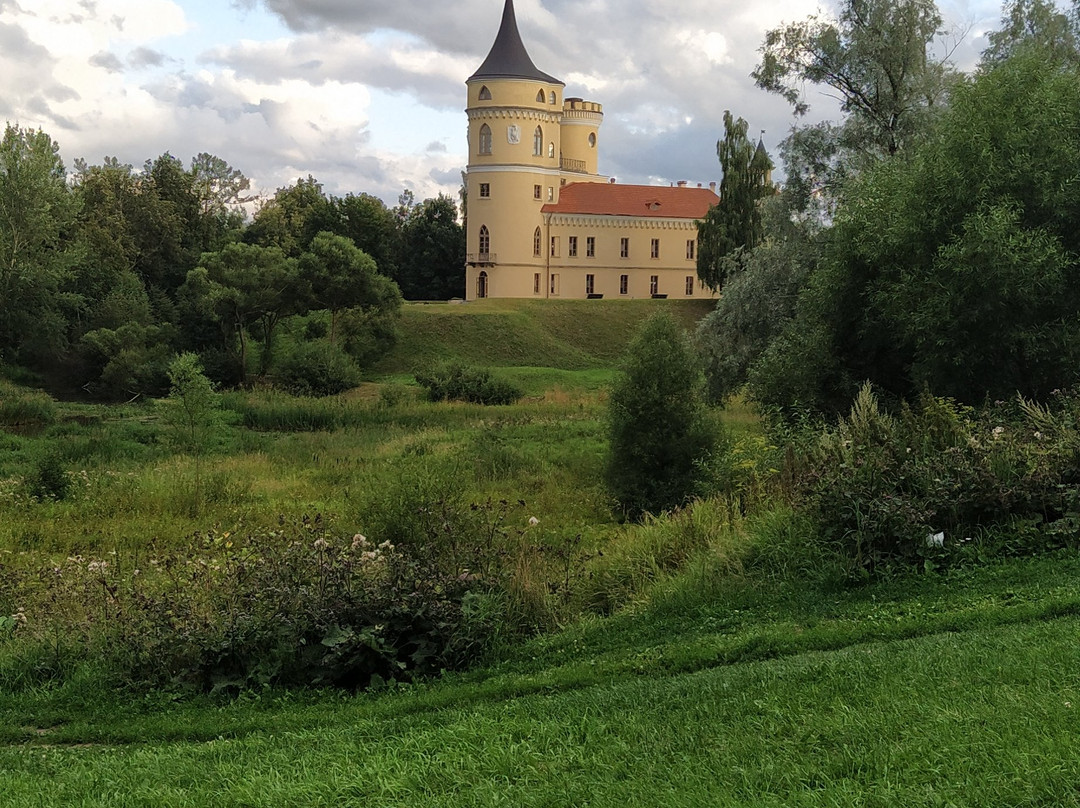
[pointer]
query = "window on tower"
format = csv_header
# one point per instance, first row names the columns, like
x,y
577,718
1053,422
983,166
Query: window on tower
x,y
538,142
485,139
540,97
551,97
538,241
485,190
592,139
485,93
485,243
551,150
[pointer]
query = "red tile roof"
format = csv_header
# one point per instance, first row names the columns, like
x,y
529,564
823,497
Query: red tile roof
x,y
658,202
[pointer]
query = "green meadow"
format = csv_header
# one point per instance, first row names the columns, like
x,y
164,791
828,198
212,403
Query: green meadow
x,y
699,658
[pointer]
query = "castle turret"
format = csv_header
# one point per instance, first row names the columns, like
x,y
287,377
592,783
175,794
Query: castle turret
x,y
514,112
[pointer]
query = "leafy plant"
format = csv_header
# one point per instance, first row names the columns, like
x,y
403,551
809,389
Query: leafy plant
x,y
457,382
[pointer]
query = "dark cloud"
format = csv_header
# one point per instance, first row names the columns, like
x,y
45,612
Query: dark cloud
x,y
107,61
146,57
16,45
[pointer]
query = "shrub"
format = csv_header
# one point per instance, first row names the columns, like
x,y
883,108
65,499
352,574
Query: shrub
x,y
663,440
457,382
49,479
317,369
26,409
923,485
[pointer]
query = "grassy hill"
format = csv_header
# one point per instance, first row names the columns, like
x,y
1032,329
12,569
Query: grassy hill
x,y
957,690
561,334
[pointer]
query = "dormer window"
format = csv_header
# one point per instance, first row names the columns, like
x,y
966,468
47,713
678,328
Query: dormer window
x,y
485,93
485,139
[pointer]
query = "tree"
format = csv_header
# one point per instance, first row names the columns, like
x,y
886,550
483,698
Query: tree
x,y
244,285
222,192
373,228
293,218
734,224
956,269
192,410
759,299
37,211
1036,23
874,56
338,276
662,439
432,261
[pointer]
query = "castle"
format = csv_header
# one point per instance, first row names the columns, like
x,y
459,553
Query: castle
x,y
542,221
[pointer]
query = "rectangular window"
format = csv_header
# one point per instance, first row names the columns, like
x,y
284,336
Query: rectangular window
x,y
690,285
536,283
537,190
691,247
590,284
571,247
624,284
590,247
554,284
554,246
656,248
624,248
654,284
551,194
485,190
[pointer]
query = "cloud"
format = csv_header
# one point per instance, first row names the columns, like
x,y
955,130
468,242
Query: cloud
x,y
107,61
143,57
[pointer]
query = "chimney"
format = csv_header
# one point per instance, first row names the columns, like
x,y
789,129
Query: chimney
x,y
699,185
682,183
612,180
712,187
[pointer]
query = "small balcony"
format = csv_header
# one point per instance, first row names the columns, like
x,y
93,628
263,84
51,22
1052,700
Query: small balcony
x,y
576,166
482,259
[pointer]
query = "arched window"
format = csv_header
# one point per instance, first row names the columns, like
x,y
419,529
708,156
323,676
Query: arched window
x,y
485,93
551,97
538,242
592,139
485,139
538,142
485,243
540,97
551,150
482,285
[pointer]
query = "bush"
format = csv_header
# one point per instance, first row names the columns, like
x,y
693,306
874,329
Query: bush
x,y
49,479
457,382
26,409
929,484
297,606
663,440
317,369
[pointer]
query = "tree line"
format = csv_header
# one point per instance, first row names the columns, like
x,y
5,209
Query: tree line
x,y
928,240
108,271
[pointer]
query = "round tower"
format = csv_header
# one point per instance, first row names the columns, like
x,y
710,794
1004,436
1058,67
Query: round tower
x,y
580,138
515,145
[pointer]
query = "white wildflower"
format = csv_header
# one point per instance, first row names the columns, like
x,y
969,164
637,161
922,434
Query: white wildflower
x,y
533,521
386,547
358,541
321,544
935,540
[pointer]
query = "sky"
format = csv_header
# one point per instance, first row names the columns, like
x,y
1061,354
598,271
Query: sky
x,y
367,96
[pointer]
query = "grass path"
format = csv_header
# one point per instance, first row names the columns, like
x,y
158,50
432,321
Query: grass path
x,y
942,691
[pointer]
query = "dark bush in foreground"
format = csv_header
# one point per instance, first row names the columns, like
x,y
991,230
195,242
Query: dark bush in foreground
x,y
455,382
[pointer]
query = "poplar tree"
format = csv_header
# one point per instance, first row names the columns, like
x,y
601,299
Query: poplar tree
x,y
734,225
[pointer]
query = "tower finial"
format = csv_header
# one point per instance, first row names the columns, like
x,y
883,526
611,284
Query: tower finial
x,y
508,58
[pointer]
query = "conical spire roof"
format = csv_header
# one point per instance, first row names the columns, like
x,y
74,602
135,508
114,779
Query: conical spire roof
x,y
508,58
